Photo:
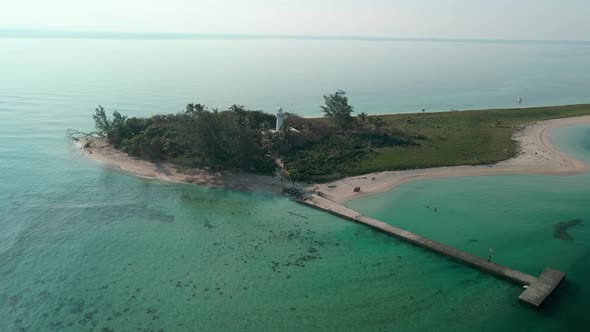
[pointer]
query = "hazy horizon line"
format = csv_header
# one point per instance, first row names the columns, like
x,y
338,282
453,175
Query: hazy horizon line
x,y
122,35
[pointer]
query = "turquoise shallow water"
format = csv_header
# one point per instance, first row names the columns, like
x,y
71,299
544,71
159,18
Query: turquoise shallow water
x,y
85,247
514,215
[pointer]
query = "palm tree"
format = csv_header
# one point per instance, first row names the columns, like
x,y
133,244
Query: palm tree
x,y
237,108
190,108
243,119
194,110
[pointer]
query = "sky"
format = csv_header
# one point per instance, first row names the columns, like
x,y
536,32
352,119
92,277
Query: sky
x,y
478,19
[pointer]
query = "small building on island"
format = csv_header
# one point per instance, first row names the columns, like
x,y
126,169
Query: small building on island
x,y
280,118
280,115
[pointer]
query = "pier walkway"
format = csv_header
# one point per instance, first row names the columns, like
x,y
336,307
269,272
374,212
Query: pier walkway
x,y
538,288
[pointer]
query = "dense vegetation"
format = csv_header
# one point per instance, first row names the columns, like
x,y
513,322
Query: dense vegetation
x,y
237,139
195,138
323,149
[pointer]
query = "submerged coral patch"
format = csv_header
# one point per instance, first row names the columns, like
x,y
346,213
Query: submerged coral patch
x,y
560,229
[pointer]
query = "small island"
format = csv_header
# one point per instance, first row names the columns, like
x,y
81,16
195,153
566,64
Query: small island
x,y
324,162
341,154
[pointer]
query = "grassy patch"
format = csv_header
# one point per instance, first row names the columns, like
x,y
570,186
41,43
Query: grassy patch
x,y
440,139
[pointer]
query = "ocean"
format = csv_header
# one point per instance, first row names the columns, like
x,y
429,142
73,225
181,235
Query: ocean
x,y
87,247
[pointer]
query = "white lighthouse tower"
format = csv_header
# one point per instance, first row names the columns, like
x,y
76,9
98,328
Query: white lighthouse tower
x,y
280,118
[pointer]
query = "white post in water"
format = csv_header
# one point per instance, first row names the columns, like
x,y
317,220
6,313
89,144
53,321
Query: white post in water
x,y
280,118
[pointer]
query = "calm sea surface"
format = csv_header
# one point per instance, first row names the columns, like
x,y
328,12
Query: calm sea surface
x,y
85,247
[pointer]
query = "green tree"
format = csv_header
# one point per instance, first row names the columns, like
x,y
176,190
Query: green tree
x,y
193,111
362,119
336,108
101,122
376,123
237,108
118,120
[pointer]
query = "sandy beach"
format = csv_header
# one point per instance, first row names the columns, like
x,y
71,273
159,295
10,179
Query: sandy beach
x,y
537,156
101,151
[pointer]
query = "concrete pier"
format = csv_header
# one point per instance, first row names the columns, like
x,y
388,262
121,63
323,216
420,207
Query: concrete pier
x,y
538,289
545,284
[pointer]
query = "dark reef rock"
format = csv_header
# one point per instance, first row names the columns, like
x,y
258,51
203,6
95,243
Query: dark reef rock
x,y
560,229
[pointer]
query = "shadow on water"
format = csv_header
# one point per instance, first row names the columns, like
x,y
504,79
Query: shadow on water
x,y
554,304
568,300
560,229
